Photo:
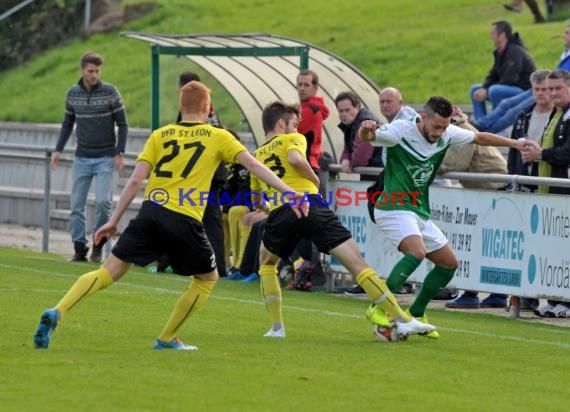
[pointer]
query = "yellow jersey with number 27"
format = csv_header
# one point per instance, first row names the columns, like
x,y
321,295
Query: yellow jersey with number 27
x,y
184,157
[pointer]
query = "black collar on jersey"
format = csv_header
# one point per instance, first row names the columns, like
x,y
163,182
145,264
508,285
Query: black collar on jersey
x,y
189,123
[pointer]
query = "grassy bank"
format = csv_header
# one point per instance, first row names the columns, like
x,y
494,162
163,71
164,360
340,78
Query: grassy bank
x,y
423,48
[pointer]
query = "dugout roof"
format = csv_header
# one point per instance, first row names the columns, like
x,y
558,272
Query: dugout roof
x,y
258,68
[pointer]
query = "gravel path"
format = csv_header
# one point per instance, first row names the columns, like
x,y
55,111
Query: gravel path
x,y
31,238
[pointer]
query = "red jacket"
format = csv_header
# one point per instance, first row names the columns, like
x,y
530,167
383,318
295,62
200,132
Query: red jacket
x,y
313,112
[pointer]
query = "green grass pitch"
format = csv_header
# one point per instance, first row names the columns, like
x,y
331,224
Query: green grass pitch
x,y
101,359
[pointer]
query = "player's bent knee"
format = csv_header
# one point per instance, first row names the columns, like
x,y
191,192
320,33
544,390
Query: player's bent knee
x,y
418,254
209,277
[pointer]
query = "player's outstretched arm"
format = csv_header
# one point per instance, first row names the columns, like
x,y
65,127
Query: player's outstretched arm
x,y
490,139
131,189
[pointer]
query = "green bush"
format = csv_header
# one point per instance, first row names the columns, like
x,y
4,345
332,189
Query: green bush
x,y
36,28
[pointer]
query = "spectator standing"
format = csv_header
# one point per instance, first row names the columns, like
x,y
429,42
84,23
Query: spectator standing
x,y
95,107
553,157
392,105
393,108
355,152
531,123
187,77
510,74
314,112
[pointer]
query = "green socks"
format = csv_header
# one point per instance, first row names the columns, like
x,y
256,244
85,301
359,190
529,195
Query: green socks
x,y
436,279
402,271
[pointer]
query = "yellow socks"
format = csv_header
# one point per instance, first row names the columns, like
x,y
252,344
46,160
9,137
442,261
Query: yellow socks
x,y
194,297
86,285
271,292
244,232
378,291
235,214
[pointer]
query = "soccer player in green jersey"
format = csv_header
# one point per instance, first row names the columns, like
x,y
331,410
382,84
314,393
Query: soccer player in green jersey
x,y
179,160
415,149
284,152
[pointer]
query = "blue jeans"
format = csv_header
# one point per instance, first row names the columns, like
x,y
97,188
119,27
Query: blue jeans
x,y
496,93
84,170
505,113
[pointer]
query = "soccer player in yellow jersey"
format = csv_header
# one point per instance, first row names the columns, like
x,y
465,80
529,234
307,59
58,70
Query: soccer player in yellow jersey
x,y
179,160
284,153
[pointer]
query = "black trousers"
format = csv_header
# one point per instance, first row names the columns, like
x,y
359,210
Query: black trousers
x,y
250,260
212,222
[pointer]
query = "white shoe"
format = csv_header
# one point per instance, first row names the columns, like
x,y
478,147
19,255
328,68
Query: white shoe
x,y
175,343
414,327
559,311
279,333
542,312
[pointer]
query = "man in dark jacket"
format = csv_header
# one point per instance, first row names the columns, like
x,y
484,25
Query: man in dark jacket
x,y
531,123
510,74
553,156
355,152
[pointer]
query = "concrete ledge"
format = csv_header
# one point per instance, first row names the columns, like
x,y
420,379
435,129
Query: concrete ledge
x,y
25,206
32,193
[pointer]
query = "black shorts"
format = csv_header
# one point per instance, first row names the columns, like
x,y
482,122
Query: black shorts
x,y
157,231
283,230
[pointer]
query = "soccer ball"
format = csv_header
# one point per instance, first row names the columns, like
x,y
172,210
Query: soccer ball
x,y
388,333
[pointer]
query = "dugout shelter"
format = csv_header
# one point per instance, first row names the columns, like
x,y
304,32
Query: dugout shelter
x,y
258,68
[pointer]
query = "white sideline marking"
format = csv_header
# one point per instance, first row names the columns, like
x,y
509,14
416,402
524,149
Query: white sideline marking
x,y
296,308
